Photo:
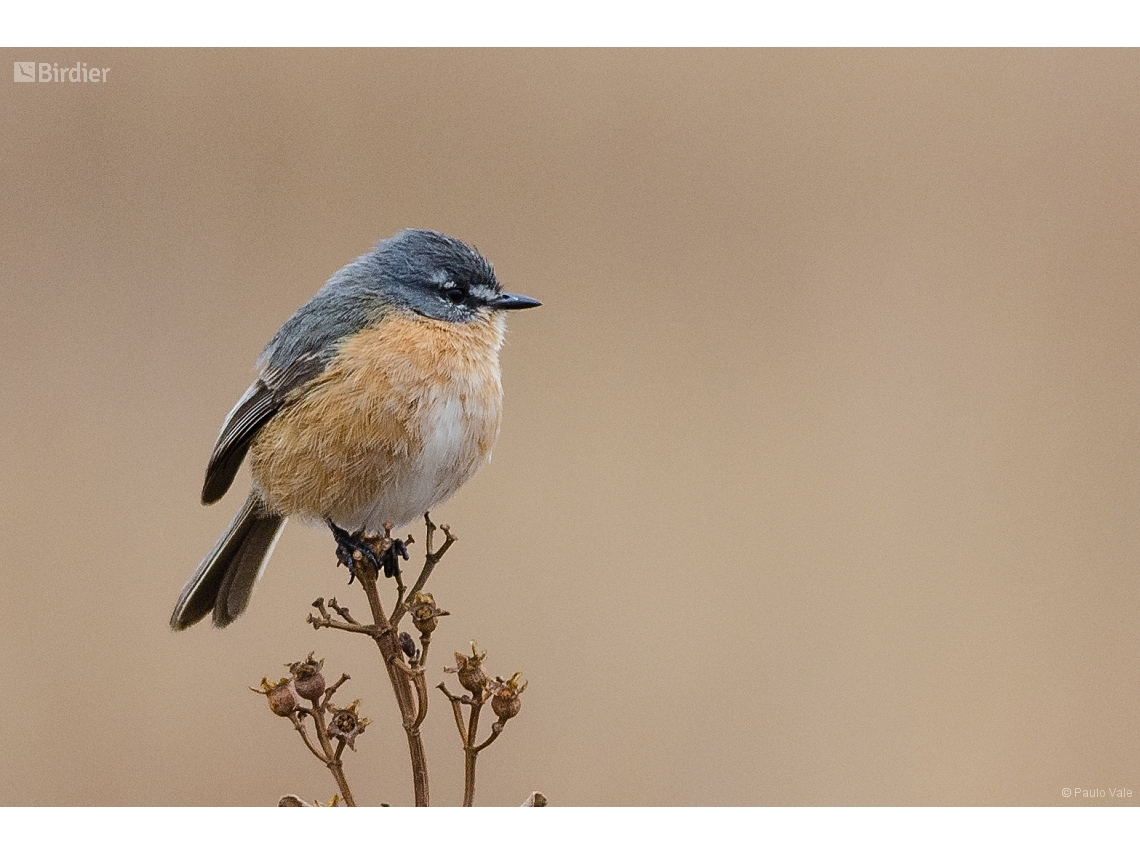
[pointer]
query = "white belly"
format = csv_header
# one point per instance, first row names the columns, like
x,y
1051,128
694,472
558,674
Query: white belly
x,y
453,445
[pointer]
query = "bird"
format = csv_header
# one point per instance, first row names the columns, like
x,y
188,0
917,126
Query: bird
x,y
377,400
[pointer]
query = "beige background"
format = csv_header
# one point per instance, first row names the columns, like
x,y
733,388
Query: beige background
x,y
819,480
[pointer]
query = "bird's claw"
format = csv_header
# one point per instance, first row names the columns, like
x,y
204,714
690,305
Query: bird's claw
x,y
350,544
390,557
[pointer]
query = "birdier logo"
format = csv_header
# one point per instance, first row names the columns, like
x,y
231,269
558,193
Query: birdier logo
x,y
52,72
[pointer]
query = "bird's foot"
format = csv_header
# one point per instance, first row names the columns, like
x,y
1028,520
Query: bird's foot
x,y
349,544
391,556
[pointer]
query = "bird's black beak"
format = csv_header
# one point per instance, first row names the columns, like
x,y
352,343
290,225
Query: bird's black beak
x,y
514,301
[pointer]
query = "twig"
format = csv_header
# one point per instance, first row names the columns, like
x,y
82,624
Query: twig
x,y
329,623
332,758
457,708
344,678
505,702
470,755
386,639
467,735
340,610
410,697
496,729
400,589
405,665
300,725
421,696
431,559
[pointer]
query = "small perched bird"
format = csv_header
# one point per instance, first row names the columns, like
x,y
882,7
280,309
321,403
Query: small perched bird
x,y
374,403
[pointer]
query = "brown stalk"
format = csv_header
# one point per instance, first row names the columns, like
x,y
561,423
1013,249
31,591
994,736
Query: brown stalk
x,y
332,757
430,560
468,733
383,632
408,681
325,753
405,665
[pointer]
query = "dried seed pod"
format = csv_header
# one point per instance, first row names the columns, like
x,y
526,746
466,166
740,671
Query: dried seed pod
x,y
281,699
425,613
307,678
505,700
472,677
347,724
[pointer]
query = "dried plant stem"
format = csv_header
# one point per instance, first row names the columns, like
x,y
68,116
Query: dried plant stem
x,y
468,733
405,663
470,756
300,725
327,755
333,762
430,560
384,634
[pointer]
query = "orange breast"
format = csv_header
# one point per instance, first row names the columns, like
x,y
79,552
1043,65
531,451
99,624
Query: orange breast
x,y
404,414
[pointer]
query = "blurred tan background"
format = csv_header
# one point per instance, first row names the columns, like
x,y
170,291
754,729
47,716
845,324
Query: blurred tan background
x,y
819,479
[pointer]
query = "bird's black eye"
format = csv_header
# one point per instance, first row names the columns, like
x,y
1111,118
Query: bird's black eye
x,y
455,294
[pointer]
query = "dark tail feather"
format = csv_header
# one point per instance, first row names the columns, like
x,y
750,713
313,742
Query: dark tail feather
x,y
224,580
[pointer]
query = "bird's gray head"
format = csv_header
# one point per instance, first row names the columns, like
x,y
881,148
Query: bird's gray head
x,y
440,277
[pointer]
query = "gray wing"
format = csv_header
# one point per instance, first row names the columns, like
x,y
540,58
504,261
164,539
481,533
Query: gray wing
x,y
297,353
260,403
